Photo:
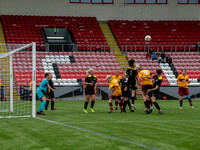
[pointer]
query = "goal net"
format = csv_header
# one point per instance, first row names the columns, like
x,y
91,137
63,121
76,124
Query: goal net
x,y
17,73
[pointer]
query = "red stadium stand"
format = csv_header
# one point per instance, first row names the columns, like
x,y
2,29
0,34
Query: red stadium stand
x,y
163,33
102,62
26,29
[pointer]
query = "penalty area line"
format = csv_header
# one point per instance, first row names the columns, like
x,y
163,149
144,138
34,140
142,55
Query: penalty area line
x,y
102,134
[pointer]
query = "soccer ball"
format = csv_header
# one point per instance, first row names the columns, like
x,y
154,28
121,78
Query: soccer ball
x,y
148,38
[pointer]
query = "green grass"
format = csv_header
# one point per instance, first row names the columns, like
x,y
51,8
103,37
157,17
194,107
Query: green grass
x,y
175,129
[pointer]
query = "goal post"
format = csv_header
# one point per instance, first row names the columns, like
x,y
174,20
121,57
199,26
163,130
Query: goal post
x,y
15,100
11,83
34,79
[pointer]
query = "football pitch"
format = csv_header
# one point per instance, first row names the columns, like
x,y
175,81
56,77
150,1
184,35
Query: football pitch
x,y
68,128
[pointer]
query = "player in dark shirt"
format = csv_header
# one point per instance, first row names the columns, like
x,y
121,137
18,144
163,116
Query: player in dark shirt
x,y
50,94
90,82
125,94
155,90
132,80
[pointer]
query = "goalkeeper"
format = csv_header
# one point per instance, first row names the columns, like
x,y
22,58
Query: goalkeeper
x,y
42,93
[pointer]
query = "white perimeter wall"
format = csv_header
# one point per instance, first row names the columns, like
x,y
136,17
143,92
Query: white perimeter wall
x,y
116,11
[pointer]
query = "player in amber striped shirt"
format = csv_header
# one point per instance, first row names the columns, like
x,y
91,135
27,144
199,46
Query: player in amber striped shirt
x,y
146,77
183,81
118,78
117,93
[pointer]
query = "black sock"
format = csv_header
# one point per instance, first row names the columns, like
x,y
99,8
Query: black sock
x,y
129,104
181,103
47,104
85,106
52,104
157,106
147,104
190,101
92,104
133,100
124,106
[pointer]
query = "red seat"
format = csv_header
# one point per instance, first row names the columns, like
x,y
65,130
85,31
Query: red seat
x,y
30,30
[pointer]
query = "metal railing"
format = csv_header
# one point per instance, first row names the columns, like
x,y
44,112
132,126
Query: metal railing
x,y
111,48
166,48
124,48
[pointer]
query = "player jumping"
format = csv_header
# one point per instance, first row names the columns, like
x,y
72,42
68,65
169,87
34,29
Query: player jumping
x,y
118,78
90,82
125,94
152,93
146,77
114,84
42,93
132,80
183,80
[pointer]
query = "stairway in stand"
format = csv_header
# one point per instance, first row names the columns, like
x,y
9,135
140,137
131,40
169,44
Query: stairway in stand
x,y
113,44
5,68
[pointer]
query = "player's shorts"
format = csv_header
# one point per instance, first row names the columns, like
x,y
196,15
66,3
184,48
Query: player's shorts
x,y
115,97
131,84
153,93
183,91
89,91
51,95
133,87
126,93
146,87
40,94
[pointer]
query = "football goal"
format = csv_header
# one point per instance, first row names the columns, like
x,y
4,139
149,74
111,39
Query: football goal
x,y
17,80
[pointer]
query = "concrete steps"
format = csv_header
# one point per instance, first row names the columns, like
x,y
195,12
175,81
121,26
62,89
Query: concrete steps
x,y
113,44
5,67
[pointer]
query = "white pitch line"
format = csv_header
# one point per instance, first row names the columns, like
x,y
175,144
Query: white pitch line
x,y
102,134
97,122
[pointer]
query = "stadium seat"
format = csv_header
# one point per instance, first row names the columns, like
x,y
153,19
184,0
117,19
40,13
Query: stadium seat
x,y
170,34
26,29
68,71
